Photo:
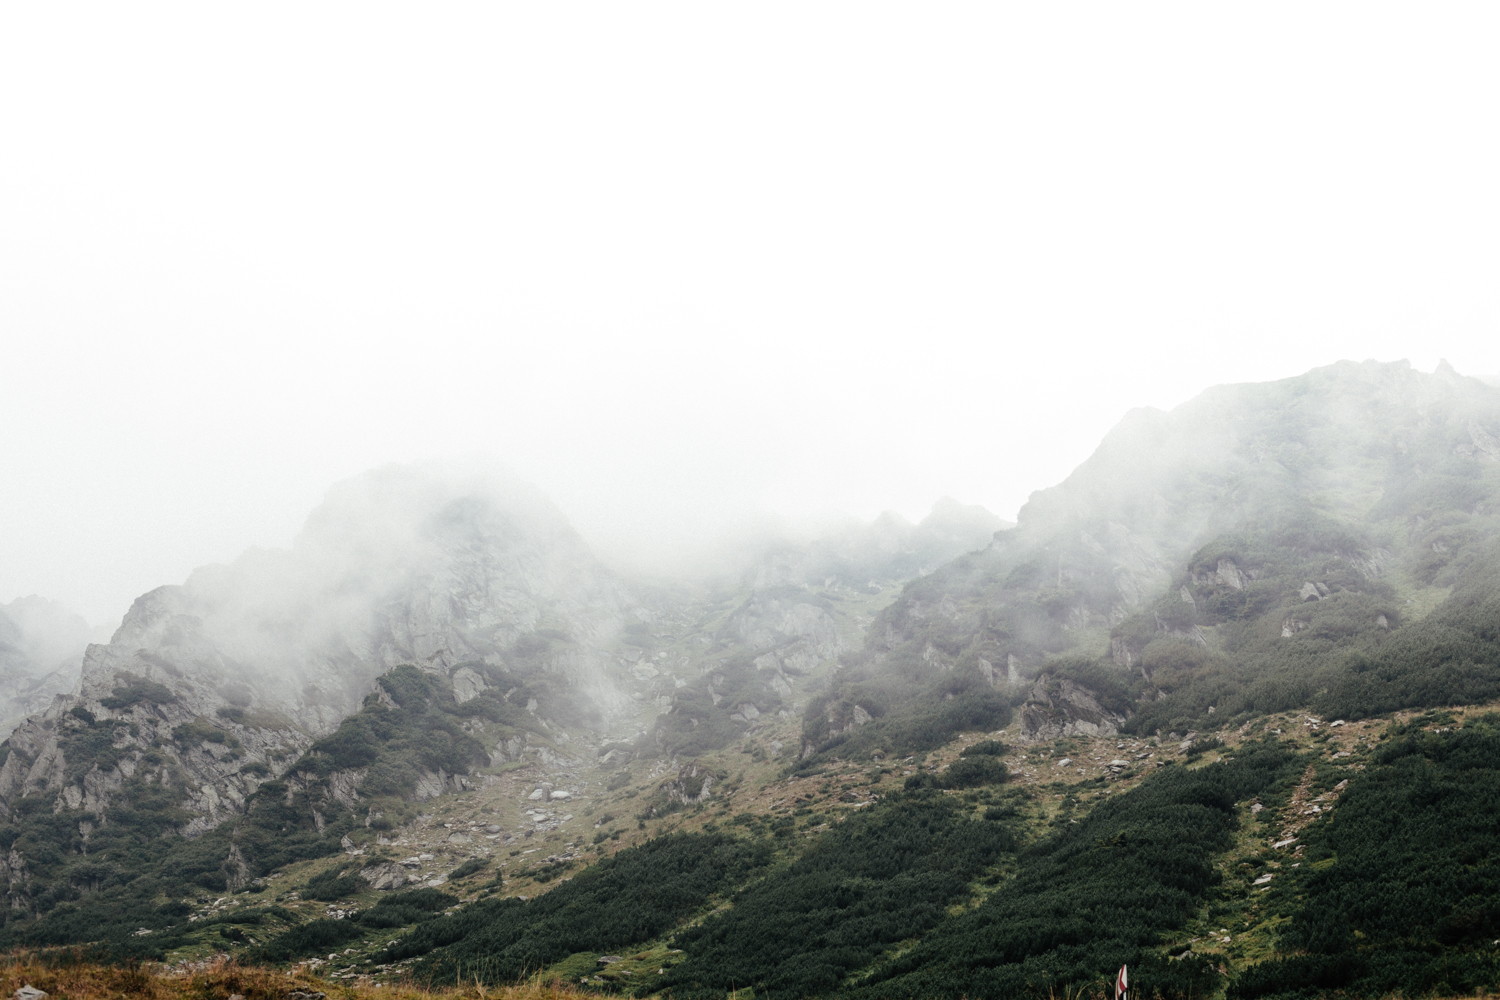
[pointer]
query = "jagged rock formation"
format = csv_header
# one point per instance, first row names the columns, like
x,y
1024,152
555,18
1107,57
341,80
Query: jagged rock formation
x,y
1252,515
788,635
1058,707
231,675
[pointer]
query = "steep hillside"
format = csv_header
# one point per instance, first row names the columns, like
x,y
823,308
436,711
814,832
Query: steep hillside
x,y
1176,718
1258,548
228,728
213,687
725,658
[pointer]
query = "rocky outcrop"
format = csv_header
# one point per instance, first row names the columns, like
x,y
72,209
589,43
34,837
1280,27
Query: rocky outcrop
x,y
387,876
1008,676
1486,446
17,880
85,749
797,635
691,784
1058,707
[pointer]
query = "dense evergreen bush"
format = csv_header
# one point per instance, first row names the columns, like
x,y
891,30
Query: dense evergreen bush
x,y
966,772
878,877
1399,892
333,884
1094,896
630,897
311,938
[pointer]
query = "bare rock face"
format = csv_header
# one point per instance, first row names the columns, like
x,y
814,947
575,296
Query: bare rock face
x,y
797,635
1061,707
387,876
227,678
691,784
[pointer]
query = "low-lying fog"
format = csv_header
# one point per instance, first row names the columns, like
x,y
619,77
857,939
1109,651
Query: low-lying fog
x,y
689,268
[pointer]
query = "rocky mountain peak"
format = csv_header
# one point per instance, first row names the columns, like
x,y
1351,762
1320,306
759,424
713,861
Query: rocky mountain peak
x,y
426,565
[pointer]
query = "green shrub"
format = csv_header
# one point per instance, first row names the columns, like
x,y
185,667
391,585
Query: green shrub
x,y
966,772
632,896
202,729
880,876
135,691
334,884
311,938
468,868
1094,895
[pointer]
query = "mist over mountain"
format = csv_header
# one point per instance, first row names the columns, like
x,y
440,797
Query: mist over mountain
x,y
428,565
889,548
1242,553
41,646
472,577
1129,708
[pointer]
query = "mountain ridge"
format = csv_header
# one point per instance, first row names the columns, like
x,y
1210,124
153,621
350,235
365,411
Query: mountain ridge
x,y
1192,536
1164,634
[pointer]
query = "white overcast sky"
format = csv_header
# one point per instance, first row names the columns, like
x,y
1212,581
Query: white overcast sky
x,y
679,262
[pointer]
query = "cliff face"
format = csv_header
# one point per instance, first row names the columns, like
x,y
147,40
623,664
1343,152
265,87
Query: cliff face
x,y
246,664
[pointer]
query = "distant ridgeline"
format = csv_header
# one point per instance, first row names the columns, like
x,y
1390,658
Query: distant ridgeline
x,y
1329,541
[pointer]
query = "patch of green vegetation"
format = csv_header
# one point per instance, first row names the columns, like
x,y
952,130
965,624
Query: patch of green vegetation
x,y
632,896
135,691
311,938
470,867
333,884
398,909
966,772
907,715
1094,895
1399,892
881,876
202,729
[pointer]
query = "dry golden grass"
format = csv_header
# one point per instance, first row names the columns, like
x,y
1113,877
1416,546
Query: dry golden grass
x,y
69,975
